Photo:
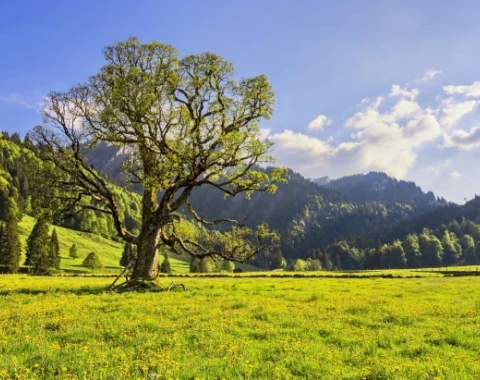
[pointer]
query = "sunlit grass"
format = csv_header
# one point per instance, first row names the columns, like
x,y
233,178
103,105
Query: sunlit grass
x,y
254,328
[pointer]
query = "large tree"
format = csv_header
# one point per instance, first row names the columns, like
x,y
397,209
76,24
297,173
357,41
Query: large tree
x,y
188,123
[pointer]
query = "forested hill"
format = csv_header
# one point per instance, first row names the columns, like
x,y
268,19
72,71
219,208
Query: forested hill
x,y
21,184
379,187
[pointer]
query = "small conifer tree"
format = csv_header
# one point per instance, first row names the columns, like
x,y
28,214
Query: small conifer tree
x,y
54,250
73,253
165,266
128,254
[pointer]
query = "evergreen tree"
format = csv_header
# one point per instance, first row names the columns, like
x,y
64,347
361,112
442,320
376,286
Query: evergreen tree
x,y
348,257
195,265
128,254
73,253
467,241
10,247
38,248
54,250
373,258
313,265
92,261
412,251
326,261
477,253
165,266
470,228
455,227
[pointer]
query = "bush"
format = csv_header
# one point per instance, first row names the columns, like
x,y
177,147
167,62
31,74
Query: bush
x,y
92,261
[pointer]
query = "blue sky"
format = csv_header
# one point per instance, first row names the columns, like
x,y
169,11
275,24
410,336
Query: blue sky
x,y
324,59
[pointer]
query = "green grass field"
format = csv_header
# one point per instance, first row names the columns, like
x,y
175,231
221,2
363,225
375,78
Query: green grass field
x,y
241,328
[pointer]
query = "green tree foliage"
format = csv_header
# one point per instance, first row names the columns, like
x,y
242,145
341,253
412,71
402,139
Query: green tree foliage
x,y
470,228
393,255
468,244
300,265
54,250
73,252
431,248
455,227
412,251
38,248
128,254
228,266
206,265
326,261
165,266
10,247
346,257
195,265
278,262
92,261
313,265
451,250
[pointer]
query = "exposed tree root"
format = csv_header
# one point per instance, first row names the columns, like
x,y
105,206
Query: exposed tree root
x,y
136,285
175,285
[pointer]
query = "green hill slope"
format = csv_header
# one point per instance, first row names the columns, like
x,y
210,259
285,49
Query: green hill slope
x,y
108,250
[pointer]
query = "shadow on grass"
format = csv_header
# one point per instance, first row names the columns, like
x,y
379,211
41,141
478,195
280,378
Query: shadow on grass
x,y
87,290
83,290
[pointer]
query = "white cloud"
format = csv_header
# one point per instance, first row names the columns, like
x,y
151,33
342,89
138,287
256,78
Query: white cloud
x,y
404,92
453,111
18,100
385,140
463,139
405,108
456,174
429,75
293,142
319,123
472,91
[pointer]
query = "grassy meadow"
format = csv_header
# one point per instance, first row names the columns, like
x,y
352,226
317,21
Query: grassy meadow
x,y
241,328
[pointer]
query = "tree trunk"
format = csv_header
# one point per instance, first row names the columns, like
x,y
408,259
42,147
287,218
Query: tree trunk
x,y
146,266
